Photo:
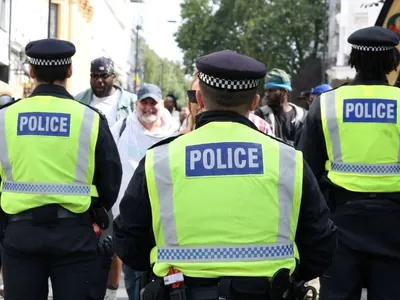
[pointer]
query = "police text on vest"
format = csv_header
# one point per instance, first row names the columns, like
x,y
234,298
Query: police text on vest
x,y
370,111
44,123
219,159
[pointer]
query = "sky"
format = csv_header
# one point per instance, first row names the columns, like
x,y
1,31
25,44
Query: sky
x,y
157,31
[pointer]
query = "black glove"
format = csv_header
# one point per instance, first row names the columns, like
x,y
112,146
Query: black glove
x,y
106,246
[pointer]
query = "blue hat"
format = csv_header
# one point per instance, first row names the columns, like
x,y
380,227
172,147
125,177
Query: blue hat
x,y
50,52
230,71
374,39
149,90
321,89
278,79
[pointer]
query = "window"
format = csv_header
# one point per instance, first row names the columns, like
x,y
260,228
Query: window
x,y
3,14
53,20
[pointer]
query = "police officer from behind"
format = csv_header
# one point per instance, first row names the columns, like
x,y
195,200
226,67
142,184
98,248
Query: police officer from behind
x,y
351,142
56,155
224,203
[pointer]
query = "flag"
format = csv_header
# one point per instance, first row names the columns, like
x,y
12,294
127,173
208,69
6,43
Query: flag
x,y
389,18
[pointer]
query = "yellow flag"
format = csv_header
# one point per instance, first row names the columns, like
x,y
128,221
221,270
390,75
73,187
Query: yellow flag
x,y
389,18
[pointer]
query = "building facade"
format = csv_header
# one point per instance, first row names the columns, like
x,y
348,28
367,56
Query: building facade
x,y
5,26
113,36
96,27
346,17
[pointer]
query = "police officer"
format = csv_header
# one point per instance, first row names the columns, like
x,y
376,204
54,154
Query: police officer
x,y
224,203
351,142
56,154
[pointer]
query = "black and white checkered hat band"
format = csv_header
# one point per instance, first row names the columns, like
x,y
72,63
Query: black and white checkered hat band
x,y
50,62
226,84
372,48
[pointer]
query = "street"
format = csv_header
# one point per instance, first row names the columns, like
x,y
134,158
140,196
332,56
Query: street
x,y
121,294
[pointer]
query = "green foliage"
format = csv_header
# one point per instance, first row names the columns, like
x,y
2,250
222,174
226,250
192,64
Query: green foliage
x,y
168,75
280,33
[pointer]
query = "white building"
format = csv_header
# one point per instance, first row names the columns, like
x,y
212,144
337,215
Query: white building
x,y
22,32
347,16
112,36
4,39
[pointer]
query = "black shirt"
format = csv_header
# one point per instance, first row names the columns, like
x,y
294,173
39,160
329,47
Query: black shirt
x,y
365,221
108,169
315,237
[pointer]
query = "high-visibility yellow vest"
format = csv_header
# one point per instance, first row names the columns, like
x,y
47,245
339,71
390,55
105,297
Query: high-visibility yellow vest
x,y
225,200
47,154
362,135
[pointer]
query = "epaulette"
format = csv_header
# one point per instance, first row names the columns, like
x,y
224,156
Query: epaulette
x,y
10,103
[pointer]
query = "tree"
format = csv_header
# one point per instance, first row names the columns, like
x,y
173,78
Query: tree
x,y
168,75
280,33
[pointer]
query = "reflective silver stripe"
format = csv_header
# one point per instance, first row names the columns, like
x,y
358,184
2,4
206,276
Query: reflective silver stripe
x,y
81,166
286,185
333,125
46,188
372,169
4,159
229,253
82,163
162,173
164,185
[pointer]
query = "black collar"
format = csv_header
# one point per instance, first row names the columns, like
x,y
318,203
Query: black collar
x,y
51,90
222,116
362,80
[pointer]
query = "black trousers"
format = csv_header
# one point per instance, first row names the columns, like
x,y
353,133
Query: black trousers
x,y
351,270
98,287
65,252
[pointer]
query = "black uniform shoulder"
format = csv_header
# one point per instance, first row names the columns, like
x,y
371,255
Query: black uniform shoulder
x,y
9,103
166,141
280,140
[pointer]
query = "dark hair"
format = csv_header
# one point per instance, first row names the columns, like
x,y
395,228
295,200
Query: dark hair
x,y
223,99
374,64
304,94
50,74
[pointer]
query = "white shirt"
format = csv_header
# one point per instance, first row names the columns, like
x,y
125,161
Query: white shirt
x,y
133,144
108,106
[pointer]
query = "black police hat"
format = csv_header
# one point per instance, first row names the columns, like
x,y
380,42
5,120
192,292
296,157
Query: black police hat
x,y
50,52
373,39
230,71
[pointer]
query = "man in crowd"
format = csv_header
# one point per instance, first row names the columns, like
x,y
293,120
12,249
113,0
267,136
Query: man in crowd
x,y
149,124
115,103
285,118
318,90
104,94
171,103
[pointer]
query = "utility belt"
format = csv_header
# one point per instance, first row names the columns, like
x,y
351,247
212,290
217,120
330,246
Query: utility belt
x,y
341,196
50,214
279,287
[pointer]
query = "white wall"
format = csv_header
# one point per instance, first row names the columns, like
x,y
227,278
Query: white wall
x,y
352,16
111,36
4,35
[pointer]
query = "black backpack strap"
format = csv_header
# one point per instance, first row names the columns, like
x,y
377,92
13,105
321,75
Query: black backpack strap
x,y
123,126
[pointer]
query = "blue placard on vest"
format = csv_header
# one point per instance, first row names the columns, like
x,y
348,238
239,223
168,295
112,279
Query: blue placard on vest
x,y
220,159
44,123
370,111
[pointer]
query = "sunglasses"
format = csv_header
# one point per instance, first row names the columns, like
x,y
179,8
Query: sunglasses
x,y
192,96
101,76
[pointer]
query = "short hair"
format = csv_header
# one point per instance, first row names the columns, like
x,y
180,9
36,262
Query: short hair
x,y
51,74
227,100
374,63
